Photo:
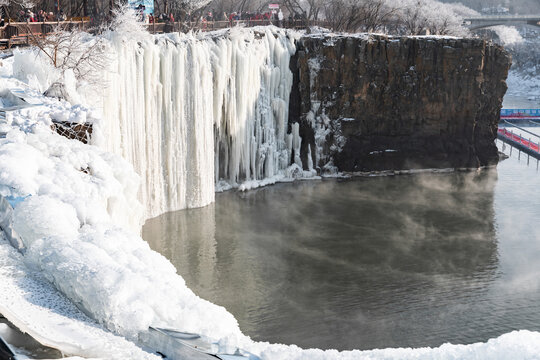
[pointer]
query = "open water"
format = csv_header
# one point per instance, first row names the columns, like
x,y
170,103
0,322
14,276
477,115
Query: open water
x,y
380,262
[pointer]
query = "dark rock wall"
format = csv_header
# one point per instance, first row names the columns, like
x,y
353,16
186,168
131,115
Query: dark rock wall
x,y
372,103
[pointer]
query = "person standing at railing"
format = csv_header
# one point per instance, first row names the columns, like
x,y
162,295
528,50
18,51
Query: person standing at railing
x,y
41,16
204,23
31,17
280,18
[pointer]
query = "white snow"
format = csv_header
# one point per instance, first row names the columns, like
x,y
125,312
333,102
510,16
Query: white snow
x,y
80,228
508,35
523,85
37,308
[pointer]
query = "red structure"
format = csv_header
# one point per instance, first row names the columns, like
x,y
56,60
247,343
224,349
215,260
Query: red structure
x,y
519,142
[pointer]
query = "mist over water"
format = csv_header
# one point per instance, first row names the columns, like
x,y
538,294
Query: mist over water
x,y
368,263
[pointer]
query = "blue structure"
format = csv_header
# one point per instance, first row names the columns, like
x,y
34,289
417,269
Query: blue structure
x,y
518,112
148,5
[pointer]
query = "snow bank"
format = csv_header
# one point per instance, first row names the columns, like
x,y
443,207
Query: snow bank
x,y
36,307
516,345
97,185
40,216
79,224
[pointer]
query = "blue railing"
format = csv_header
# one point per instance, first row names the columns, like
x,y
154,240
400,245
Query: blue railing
x,y
517,112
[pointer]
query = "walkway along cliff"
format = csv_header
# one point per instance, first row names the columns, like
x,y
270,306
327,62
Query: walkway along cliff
x,y
373,103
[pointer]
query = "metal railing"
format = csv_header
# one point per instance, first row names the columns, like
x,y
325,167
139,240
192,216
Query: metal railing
x,y
519,142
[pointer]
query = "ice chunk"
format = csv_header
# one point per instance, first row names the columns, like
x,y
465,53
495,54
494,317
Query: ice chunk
x,y
41,216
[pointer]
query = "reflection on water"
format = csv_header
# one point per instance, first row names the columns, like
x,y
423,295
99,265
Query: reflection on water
x,y
374,262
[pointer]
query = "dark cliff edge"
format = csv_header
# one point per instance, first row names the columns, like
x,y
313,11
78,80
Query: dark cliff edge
x,y
372,103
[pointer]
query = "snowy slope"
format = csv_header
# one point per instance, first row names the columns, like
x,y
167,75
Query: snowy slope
x,y
35,307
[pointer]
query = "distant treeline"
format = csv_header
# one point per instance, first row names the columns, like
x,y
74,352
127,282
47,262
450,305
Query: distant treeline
x,y
515,6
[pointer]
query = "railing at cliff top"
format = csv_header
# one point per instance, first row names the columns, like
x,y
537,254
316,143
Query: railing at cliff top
x,y
14,33
224,24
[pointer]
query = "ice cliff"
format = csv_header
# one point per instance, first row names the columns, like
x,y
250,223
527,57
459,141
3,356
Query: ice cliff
x,y
191,112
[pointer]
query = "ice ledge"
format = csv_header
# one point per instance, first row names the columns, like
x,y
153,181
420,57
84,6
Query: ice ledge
x,y
36,308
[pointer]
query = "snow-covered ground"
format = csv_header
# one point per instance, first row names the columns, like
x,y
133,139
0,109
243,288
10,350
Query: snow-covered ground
x,y
37,308
81,215
523,85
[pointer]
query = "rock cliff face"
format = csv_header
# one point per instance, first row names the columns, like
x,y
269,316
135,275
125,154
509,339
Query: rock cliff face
x,y
372,103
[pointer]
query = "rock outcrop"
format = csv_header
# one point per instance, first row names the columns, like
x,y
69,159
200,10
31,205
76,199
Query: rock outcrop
x,y
75,131
372,102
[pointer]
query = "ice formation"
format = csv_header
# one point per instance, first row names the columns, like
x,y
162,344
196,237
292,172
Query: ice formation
x,y
193,111
81,214
79,223
52,319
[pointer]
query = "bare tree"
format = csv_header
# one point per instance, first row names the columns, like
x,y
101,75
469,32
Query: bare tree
x,y
432,17
296,8
374,15
359,15
25,4
413,19
73,49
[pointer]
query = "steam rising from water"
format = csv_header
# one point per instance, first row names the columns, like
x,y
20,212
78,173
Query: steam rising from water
x,y
375,262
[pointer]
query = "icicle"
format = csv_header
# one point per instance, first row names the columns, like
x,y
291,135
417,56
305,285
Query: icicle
x,y
310,159
190,113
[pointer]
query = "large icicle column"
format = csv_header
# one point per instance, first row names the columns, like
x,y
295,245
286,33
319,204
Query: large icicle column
x,y
179,106
251,107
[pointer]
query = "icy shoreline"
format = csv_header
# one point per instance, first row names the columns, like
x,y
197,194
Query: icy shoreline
x,y
80,231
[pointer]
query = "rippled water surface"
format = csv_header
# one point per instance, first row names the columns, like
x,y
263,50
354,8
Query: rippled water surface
x,y
368,263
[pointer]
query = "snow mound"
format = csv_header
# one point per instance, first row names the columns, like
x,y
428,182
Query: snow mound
x,y
37,308
40,216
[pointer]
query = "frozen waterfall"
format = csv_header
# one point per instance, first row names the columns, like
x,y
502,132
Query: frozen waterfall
x,y
192,111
